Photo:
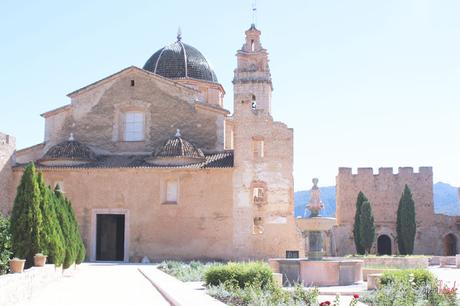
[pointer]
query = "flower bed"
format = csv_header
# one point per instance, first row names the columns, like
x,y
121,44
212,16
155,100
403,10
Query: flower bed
x,y
411,287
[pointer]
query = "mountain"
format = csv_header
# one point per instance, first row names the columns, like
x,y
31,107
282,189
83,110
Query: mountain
x,y
446,200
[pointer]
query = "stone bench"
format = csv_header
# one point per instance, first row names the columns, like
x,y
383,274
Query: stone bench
x,y
373,280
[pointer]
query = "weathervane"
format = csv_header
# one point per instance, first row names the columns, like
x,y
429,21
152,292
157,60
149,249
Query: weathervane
x,y
254,12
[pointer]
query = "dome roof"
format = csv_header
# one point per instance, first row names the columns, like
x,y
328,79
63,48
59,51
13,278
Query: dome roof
x,y
179,60
177,151
70,151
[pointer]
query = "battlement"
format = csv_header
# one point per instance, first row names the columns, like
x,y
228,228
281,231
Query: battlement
x,y
384,171
8,140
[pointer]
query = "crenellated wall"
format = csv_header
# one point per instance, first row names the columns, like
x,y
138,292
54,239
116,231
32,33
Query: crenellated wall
x,y
384,190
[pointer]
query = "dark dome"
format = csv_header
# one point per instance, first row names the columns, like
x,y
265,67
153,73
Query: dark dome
x,y
69,150
180,60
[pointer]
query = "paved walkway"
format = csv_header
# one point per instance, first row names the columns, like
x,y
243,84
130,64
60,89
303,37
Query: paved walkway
x,y
100,284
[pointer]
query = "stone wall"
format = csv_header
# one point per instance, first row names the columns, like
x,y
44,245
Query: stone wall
x,y
200,225
15,289
7,149
384,191
273,172
95,115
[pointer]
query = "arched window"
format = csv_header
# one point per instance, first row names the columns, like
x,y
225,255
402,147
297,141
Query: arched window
x,y
253,102
134,126
258,226
252,45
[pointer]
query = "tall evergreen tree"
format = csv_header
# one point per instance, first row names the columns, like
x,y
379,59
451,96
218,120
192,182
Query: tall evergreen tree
x,y
405,223
77,240
66,227
51,236
359,202
26,217
366,227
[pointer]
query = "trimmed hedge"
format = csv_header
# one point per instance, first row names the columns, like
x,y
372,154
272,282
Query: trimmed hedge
x,y
419,277
240,275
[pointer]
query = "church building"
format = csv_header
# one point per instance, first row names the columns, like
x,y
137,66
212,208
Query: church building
x,y
155,166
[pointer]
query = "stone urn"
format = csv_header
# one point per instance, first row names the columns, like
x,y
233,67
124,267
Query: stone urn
x,y
17,265
39,260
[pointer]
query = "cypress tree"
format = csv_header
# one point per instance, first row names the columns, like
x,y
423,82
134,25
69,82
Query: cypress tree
x,y
65,222
26,217
51,236
405,223
77,240
366,227
359,202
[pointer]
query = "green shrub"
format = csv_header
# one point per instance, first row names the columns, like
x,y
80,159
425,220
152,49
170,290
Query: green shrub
x,y
411,287
186,272
5,244
240,275
271,295
418,277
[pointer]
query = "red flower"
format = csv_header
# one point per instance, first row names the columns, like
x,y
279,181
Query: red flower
x,y
325,303
356,296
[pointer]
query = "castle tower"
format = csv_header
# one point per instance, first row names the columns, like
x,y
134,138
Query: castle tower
x,y
263,159
252,79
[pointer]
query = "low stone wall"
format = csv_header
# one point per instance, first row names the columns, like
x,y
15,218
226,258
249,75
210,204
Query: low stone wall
x,y
396,262
442,261
15,288
367,271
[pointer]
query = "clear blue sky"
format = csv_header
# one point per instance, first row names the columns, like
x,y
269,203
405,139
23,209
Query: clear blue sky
x,y
363,83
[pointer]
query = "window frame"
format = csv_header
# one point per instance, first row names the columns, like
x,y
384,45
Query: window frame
x,y
130,133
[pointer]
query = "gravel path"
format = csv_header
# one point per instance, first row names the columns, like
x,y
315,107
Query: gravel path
x,y
100,284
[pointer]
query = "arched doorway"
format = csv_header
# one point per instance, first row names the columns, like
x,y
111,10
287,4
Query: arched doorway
x,y
383,245
450,245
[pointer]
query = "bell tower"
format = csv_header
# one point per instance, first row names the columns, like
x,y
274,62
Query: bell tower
x,y
252,80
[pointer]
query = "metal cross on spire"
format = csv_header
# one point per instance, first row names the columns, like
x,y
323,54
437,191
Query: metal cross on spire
x,y
254,12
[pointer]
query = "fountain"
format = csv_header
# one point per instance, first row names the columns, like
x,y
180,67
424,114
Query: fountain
x,y
316,270
313,226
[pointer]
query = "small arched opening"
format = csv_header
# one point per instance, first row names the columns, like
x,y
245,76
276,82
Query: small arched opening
x,y
384,245
450,245
253,102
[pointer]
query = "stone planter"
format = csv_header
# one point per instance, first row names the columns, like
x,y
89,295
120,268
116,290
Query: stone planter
x,y
39,260
17,265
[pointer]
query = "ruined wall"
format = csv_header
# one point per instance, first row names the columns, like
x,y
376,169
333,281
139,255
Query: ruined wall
x,y
384,191
7,191
95,116
273,172
200,225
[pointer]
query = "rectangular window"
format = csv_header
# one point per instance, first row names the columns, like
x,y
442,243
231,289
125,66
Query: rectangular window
x,y
134,126
171,191
258,195
258,148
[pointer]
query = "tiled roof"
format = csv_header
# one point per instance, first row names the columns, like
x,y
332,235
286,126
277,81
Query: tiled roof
x,y
222,159
69,150
179,60
179,147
